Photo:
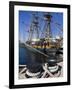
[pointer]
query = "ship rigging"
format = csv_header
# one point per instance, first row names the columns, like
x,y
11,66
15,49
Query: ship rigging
x,y
38,38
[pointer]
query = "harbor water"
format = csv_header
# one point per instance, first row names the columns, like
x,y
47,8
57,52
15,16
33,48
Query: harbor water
x,y
26,57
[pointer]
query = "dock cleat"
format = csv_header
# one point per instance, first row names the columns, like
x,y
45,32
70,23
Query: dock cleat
x,y
54,69
34,70
52,66
52,61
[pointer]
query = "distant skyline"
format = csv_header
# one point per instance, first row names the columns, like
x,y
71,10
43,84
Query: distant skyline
x,y
25,18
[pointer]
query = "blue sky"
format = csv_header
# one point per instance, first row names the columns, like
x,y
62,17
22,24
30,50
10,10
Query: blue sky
x,y
25,18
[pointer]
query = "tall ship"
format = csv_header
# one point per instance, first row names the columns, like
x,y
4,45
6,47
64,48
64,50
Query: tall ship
x,y
43,38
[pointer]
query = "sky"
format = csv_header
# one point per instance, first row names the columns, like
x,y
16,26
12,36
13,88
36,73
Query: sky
x,y
25,18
